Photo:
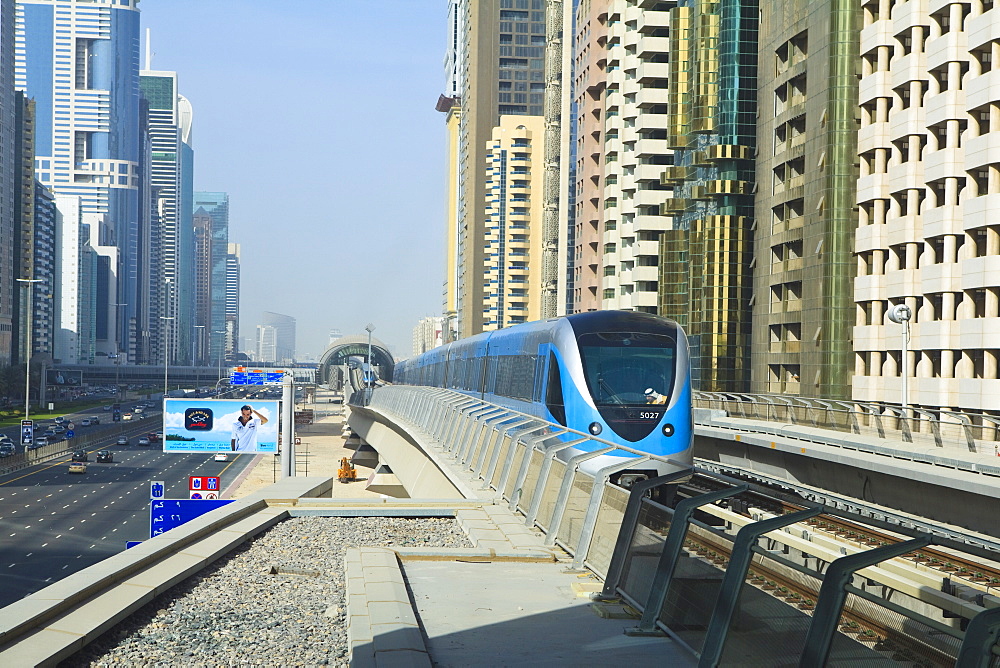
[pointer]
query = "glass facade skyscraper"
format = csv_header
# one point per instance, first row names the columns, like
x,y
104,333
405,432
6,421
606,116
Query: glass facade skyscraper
x,y
214,208
172,191
79,61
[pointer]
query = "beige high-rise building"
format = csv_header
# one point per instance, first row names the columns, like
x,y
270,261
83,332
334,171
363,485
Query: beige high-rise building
x,y
502,72
928,236
513,239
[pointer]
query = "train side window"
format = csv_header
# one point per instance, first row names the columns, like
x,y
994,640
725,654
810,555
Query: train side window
x,y
553,391
539,378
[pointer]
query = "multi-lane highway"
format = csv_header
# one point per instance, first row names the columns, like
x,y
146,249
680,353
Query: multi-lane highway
x,y
54,523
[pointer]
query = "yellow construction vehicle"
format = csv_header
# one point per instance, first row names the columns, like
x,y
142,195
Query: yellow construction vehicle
x,y
347,472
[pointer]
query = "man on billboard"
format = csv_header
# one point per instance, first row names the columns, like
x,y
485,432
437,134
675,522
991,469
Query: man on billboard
x,y
245,427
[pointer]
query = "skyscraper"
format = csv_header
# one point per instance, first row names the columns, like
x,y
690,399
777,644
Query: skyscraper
x,y
514,222
705,265
9,183
172,190
79,61
807,132
502,72
276,338
214,206
231,335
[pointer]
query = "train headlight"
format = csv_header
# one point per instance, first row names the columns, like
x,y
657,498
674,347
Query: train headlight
x,y
668,429
595,428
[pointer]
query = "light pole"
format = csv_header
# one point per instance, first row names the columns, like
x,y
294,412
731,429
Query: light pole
x,y
199,356
118,365
221,347
901,314
166,351
27,346
199,352
368,376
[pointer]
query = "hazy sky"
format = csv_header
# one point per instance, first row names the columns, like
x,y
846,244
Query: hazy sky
x,y
317,117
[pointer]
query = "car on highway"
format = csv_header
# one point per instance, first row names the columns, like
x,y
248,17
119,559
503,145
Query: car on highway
x,y
153,437
122,440
85,422
221,457
126,416
95,419
80,456
106,408
105,456
59,420
143,440
77,467
41,441
58,429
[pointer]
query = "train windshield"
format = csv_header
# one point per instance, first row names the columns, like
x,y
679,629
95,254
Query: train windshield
x,y
621,366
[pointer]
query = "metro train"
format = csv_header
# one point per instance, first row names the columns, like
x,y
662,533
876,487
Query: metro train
x,y
621,376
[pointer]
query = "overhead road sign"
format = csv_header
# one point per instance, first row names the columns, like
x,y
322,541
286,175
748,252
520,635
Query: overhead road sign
x,y
242,375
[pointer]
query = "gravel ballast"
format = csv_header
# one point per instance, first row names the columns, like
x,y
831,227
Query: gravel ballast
x,y
278,600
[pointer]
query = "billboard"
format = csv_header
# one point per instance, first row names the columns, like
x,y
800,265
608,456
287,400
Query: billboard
x,y
63,378
220,425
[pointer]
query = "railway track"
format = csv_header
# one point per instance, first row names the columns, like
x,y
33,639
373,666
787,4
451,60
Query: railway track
x,y
893,636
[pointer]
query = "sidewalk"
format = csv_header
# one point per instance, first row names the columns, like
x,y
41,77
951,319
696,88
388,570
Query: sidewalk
x,y
319,454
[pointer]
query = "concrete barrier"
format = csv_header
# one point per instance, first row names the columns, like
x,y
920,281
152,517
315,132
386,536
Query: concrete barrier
x,y
52,624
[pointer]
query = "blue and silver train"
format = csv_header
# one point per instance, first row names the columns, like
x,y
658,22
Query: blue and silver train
x,y
622,376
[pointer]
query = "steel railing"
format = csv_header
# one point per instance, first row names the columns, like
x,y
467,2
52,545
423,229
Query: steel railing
x,y
711,586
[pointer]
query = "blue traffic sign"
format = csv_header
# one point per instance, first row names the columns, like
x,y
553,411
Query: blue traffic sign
x,y
256,378
166,514
70,434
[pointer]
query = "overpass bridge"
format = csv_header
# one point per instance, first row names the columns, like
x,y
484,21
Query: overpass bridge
x,y
733,572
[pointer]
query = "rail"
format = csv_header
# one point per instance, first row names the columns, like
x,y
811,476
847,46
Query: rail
x,y
724,578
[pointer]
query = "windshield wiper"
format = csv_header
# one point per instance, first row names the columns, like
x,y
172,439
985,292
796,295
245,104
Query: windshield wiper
x,y
612,396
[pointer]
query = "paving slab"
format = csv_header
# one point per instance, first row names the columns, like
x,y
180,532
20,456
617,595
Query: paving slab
x,y
522,614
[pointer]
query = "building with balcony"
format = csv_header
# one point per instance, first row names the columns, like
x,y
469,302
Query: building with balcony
x,y
589,82
513,241
635,151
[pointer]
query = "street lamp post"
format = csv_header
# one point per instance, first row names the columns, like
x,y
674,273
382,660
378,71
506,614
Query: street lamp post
x,y
221,351
199,357
27,348
166,351
368,375
901,314
118,365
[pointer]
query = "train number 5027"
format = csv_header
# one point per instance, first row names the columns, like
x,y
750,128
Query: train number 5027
x,y
646,415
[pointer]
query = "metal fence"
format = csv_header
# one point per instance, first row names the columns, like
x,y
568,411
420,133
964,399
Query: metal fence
x,y
766,589
953,430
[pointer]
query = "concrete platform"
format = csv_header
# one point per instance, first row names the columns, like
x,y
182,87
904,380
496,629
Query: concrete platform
x,y
523,614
